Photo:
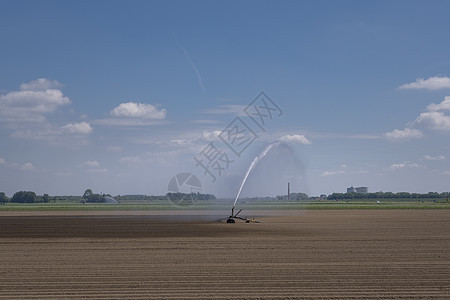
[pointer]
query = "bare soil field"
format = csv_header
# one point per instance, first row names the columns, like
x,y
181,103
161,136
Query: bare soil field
x,y
345,254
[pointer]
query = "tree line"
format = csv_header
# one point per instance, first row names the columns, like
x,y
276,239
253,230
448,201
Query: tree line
x,y
388,195
139,198
88,197
24,197
294,196
197,196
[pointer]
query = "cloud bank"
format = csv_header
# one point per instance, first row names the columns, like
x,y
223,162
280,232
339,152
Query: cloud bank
x,y
40,84
27,112
432,83
404,134
32,102
433,118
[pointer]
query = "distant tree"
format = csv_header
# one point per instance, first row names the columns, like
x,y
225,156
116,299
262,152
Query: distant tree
x,y
298,196
90,197
336,196
388,195
432,195
24,197
87,193
96,198
46,198
3,198
205,196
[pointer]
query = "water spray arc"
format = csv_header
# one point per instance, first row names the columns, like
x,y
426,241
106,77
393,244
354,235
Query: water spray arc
x,y
256,160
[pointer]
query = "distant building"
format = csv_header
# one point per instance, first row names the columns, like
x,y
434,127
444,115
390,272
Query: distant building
x,y
361,189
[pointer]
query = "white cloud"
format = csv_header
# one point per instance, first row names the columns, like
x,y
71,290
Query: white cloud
x,y
77,128
40,84
2,161
404,165
90,164
439,157
434,120
47,132
444,105
398,166
432,83
93,167
138,110
30,106
233,109
295,138
211,135
25,112
27,167
404,134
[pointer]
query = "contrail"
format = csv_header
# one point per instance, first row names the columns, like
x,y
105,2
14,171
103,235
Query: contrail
x,y
199,77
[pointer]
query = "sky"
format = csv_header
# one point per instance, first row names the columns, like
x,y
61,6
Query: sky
x,y
121,96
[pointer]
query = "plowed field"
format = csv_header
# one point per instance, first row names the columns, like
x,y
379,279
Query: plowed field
x,y
376,254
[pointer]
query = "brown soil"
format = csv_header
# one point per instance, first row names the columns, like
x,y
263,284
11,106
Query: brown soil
x,y
377,254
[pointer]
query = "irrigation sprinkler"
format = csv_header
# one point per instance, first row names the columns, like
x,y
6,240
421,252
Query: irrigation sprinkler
x,y
233,217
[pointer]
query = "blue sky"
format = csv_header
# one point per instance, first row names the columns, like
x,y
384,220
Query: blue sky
x,y
120,96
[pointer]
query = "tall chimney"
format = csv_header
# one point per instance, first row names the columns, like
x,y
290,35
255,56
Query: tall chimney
x,y
289,191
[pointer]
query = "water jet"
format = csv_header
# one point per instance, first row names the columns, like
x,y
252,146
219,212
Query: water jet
x,y
257,159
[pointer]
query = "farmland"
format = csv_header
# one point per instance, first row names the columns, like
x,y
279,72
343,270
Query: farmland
x,y
293,254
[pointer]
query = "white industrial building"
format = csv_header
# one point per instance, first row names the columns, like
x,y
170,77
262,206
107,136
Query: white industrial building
x,y
361,189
